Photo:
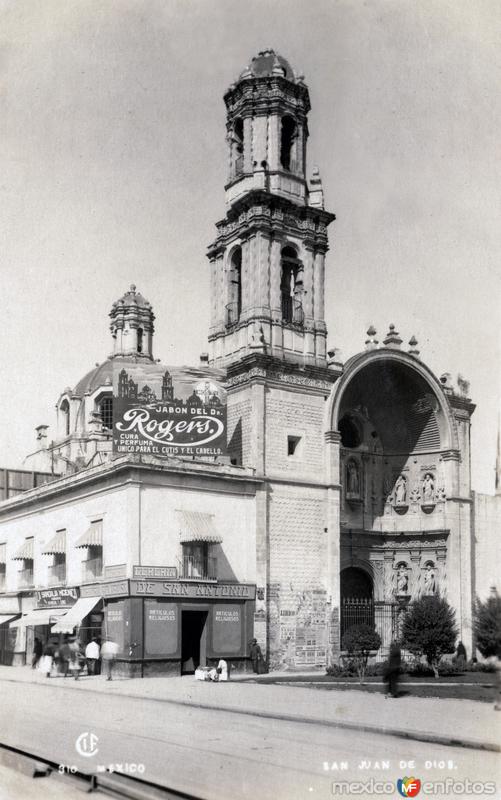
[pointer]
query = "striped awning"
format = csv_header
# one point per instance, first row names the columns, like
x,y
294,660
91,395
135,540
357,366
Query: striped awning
x,y
56,545
93,537
38,616
3,553
75,615
198,527
26,552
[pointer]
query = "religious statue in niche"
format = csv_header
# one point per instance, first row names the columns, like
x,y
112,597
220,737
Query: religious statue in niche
x,y
430,581
400,491
428,489
402,580
352,479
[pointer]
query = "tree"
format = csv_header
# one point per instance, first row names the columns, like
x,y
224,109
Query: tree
x,y
429,629
487,625
360,641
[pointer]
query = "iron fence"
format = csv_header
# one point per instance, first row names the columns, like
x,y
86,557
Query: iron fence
x,y
384,617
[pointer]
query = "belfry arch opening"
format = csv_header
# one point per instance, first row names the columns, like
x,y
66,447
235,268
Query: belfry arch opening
x,y
288,134
64,409
291,286
234,307
238,146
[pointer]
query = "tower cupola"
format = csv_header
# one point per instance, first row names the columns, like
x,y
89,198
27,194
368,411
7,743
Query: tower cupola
x,y
267,129
268,260
132,326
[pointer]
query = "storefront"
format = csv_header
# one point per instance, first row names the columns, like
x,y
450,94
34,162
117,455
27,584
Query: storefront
x,y
43,622
172,626
9,612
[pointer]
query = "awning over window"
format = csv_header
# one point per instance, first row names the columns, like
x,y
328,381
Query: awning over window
x,y
198,527
75,615
3,553
56,545
93,537
7,618
38,616
26,552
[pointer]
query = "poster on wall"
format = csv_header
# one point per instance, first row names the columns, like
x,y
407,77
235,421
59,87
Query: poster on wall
x,y
167,412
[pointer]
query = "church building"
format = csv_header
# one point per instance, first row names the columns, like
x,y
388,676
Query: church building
x,y
342,493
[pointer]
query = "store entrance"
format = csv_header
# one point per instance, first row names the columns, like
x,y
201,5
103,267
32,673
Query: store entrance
x,y
193,640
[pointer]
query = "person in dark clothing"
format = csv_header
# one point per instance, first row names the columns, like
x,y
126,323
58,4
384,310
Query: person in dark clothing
x,y
392,673
461,654
65,657
37,652
256,655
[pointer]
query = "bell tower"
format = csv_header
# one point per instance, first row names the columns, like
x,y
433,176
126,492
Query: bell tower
x,y
267,262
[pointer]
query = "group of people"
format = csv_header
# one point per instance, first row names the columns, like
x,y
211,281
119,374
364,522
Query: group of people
x,y
70,657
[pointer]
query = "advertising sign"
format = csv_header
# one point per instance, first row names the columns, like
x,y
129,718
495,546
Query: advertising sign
x,y
233,591
168,412
227,628
52,598
154,572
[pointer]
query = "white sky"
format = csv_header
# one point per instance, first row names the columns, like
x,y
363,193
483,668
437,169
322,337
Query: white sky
x,y
113,160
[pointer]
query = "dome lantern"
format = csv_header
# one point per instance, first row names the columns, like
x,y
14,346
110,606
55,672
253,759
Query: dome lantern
x,y
132,325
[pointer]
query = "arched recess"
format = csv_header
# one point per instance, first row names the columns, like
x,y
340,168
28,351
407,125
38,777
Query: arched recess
x,y
291,285
64,410
400,396
234,305
288,134
356,583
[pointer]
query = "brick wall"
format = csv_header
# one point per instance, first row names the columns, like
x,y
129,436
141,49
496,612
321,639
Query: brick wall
x,y
298,630
300,415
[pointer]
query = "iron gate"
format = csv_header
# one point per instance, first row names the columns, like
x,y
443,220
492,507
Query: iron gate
x,y
383,617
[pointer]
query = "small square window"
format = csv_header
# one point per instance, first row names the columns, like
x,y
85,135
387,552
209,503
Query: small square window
x,y
292,444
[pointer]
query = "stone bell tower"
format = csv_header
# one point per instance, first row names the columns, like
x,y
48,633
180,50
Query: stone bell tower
x,y
267,262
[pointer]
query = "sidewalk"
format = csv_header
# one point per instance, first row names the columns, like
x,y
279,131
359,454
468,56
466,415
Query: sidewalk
x,y
463,723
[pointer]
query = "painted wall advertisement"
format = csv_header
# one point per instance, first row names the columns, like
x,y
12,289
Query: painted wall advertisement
x,y
168,412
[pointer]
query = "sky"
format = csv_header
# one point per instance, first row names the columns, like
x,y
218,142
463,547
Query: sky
x,y
113,162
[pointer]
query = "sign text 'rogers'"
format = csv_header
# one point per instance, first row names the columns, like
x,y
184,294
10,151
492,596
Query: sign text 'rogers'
x,y
176,412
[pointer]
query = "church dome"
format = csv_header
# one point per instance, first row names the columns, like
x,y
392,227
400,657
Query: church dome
x,y
132,298
268,63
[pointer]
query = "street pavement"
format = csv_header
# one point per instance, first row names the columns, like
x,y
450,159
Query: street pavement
x,y
441,721
179,731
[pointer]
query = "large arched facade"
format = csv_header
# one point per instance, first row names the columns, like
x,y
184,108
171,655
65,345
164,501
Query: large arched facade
x,y
398,471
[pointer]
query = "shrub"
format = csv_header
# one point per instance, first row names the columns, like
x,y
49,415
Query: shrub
x,y
359,641
487,625
429,629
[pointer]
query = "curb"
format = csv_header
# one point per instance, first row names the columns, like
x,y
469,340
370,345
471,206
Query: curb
x,y
420,736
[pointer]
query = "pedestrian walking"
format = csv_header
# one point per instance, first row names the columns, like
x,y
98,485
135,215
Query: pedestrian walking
x,y
75,664
37,652
461,655
47,660
64,657
109,650
392,672
256,655
92,656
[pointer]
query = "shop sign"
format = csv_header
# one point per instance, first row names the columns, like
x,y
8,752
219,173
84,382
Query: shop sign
x,y
232,591
52,598
181,412
227,628
111,589
154,572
